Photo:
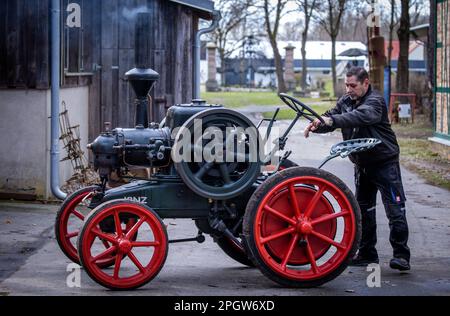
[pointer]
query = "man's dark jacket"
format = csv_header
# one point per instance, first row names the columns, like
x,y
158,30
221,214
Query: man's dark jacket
x,y
366,117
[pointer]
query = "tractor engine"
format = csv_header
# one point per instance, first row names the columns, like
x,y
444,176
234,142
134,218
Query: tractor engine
x,y
141,147
153,145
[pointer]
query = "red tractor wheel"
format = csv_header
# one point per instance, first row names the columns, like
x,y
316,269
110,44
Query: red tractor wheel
x,y
136,260
302,226
69,220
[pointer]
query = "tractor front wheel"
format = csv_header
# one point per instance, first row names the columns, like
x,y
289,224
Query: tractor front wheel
x,y
139,252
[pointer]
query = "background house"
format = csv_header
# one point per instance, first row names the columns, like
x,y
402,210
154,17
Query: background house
x,y
258,68
97,48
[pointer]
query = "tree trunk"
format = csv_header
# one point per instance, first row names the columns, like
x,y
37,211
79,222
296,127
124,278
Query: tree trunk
x,y
223,68
430,58
278,67
403,37
304,66
390,48
333,64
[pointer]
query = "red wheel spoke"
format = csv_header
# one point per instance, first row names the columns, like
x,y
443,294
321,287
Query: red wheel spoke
x,y
328,217
133,229
311,258
71,235
312,204
294,200
279,215
278,235
104,254
117,223
78,214
117,263
106,244
104,236
328,240
136,262
289,252
145,244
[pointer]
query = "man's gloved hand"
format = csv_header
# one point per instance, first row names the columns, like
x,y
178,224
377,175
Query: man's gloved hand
x,y
315,125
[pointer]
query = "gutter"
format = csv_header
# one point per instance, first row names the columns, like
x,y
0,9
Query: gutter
x,y
197,45
54,122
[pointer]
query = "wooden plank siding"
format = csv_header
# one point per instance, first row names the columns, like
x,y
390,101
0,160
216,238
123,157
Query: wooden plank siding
x,y
24,44
106,39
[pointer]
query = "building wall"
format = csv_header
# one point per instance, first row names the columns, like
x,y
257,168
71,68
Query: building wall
x,y
25,141
102,49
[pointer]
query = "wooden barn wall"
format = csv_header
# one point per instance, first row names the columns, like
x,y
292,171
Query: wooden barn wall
x,y
80,46
171,54
442,96
24,44
107,39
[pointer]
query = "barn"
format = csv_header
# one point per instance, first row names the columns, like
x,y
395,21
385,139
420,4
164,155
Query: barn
x,y
97,46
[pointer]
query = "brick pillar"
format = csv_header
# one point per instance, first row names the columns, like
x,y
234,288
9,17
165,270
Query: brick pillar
x,y
289,74
211,83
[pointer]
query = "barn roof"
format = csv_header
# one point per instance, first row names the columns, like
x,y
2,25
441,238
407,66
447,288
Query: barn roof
x,y
205,6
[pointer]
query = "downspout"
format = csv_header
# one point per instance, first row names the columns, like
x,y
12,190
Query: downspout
x,y
54,122
212,27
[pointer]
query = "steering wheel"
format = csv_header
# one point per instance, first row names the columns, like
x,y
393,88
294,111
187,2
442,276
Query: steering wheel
x,y
300,108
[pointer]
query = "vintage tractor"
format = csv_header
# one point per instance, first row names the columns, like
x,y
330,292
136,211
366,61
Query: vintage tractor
x,y
298,225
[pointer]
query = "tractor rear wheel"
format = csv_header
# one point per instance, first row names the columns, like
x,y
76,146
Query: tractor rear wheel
x,y
69,220
302,226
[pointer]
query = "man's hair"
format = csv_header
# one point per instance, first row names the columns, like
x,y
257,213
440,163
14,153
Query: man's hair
x,y
359,72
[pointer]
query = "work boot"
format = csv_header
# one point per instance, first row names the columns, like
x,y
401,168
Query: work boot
x,y
360,261
399,264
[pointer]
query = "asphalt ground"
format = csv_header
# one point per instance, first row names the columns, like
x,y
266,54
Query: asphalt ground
x,y
31,262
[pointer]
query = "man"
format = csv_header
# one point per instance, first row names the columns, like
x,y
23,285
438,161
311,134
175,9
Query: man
x,y
362,113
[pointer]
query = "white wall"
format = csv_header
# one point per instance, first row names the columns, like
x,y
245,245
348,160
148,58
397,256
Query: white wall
x,y
23,141
77,100
25,137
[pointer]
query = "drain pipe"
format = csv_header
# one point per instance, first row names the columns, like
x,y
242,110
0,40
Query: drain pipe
x,y
54,122
212,27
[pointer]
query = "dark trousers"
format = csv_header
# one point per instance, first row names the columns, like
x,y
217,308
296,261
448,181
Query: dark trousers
x,y
386,179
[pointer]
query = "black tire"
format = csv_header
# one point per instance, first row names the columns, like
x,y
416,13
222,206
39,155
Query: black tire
x,y
287,164
249,226
234,252
230,248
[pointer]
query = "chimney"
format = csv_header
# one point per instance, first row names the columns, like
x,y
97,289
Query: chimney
x,y
289,74
211,83
142,78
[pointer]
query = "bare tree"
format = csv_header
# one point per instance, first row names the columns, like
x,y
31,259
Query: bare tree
x,y
307,7
403,37
273,11
331,22
291,31
234,14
